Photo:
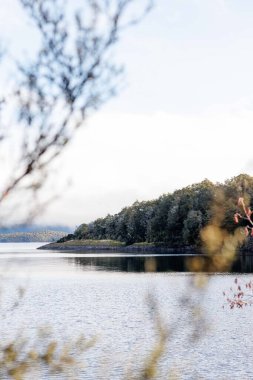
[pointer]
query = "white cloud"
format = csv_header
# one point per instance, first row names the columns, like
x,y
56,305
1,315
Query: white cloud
x,y
182,59
119,158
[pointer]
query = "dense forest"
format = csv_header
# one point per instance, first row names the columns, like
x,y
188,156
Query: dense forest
x,y
175,219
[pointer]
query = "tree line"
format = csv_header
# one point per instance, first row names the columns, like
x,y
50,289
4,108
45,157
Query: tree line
x,y
174,219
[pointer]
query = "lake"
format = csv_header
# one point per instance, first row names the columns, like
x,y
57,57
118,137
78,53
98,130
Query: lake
x,y
112,298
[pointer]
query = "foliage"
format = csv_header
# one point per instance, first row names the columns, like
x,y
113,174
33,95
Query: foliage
x,y
84,243
245,216
242,293
175,219
239,295
21,358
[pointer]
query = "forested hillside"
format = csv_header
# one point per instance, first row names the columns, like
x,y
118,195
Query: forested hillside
x,y
174,219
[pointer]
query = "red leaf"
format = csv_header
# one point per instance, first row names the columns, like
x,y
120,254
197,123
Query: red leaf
x,y
248,211
236,220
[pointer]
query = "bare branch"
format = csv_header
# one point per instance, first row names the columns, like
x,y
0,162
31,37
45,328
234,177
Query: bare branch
x,y
72,75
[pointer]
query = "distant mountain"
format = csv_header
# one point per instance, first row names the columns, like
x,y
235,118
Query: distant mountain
x,y
33,228
37,236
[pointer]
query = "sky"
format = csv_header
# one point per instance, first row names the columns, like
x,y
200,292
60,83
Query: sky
x,y
184,112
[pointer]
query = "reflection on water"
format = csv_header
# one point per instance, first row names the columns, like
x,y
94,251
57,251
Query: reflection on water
x,y
99,295
23,257
133,264
243,264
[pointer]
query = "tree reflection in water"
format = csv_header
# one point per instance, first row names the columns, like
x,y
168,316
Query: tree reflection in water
x,y
177,263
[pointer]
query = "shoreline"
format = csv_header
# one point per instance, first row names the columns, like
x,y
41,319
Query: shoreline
x,y
117,246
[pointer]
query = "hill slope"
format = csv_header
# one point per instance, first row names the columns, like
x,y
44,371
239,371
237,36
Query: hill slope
x,y
174,219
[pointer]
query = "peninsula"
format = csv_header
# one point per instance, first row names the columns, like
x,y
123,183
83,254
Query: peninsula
x,y
173,222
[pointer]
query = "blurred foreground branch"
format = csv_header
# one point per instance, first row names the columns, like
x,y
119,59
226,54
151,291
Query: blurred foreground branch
x,y
72,74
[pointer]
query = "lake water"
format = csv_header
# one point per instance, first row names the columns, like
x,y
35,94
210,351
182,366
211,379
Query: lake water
x,y
107,296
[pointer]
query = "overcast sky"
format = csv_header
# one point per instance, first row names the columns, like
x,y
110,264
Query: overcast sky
x,y
185,112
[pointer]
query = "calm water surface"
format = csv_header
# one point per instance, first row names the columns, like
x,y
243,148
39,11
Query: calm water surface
x,y
105,295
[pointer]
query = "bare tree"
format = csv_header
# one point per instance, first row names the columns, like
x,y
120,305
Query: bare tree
x,y
72,74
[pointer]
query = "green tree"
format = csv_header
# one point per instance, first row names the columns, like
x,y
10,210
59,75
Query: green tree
x,y
192,226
